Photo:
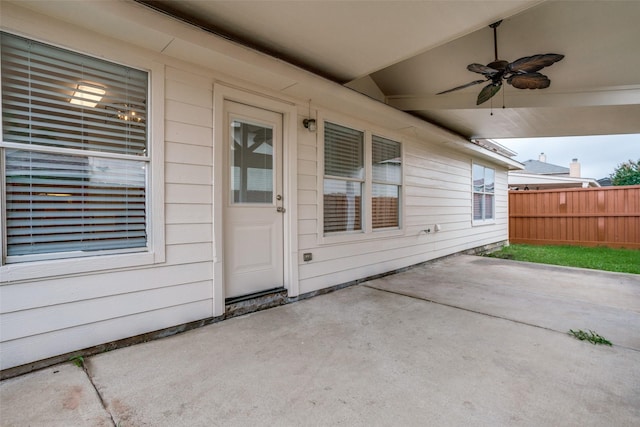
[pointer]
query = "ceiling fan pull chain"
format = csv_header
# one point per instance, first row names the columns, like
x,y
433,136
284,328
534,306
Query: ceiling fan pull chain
x,y
504,89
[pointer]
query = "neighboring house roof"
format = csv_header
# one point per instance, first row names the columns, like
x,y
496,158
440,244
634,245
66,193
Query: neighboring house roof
x,y
542,168
605,182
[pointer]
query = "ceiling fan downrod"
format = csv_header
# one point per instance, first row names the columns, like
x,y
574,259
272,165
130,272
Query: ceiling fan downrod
x,y
495,38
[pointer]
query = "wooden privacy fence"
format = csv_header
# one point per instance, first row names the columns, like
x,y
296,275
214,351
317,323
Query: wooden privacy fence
x,y
607,216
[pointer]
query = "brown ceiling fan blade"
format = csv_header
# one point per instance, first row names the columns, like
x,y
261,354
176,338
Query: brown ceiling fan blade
x,y
530,64
482,69
475,82
487,92
529,81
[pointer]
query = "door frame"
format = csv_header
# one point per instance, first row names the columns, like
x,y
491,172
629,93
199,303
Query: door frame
x,y
222,93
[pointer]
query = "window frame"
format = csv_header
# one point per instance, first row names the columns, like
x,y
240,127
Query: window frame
x,y
367,232
50,266
483,220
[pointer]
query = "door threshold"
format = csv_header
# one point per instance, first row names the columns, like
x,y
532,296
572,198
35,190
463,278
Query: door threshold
x,y
257,301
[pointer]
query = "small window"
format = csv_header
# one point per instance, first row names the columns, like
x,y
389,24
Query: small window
x,y
483,193
387,177
76,154
343,178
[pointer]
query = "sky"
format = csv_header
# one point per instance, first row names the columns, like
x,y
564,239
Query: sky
x,y
598,155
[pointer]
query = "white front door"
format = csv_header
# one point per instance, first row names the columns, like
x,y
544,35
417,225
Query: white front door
x,y
253,216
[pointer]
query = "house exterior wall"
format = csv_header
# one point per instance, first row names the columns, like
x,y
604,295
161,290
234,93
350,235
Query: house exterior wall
x,y
436,190
61,308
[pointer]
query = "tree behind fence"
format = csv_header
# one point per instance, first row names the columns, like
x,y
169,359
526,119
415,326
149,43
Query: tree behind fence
x,y
607,216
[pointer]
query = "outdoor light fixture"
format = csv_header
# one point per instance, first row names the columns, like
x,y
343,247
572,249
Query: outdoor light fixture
x,y
87,96
310,124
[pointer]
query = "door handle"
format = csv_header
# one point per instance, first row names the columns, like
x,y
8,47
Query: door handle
x,y
281,209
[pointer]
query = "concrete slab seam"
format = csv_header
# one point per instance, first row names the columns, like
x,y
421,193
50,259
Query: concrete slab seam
x,y
485,314
85,368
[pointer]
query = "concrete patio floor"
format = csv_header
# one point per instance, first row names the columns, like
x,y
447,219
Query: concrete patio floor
x,y
460,341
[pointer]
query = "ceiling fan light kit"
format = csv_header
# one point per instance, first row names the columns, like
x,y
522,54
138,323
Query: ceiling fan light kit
x,y
521,73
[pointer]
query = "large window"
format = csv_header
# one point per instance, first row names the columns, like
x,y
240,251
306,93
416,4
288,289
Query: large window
x,y
358,198
483,193
75,153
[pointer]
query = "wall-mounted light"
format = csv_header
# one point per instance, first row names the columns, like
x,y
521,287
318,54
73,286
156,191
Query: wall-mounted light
x,y
87,95
310,124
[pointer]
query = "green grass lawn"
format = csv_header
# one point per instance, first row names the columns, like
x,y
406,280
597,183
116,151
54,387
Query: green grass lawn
x,y
620,260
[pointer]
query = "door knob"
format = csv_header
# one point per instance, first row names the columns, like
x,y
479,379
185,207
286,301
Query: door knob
x,y
281,209
278,197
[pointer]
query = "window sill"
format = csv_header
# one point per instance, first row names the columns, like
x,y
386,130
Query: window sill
x,y
479,223
61,267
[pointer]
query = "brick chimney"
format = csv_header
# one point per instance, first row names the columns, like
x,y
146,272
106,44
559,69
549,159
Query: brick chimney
x,y
542,158
574,169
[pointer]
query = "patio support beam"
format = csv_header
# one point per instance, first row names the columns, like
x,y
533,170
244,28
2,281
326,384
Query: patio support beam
x,y
618,95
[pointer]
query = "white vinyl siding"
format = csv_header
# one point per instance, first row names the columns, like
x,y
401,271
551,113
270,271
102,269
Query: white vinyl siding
x,y
435,190
74,142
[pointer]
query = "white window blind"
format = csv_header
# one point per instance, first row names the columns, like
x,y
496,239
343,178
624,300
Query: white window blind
x,y
387,177
75,149
344,176
343,152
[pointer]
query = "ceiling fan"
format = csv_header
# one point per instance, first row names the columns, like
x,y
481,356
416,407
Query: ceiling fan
x,y
521,74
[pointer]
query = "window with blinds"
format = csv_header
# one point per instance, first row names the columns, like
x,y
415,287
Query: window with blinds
x,y
387,180
343,178
483,193
75,153
346,178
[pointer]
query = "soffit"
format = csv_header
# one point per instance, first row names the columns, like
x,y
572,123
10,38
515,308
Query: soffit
x,y
404,53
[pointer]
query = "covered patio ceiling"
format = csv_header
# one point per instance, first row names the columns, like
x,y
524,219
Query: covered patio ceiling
x,y
404,52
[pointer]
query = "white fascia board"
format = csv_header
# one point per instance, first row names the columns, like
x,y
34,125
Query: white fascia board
x,y
518,178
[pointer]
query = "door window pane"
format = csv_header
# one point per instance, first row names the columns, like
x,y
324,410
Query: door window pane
x,y
251,163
